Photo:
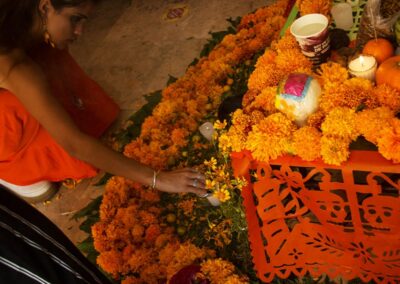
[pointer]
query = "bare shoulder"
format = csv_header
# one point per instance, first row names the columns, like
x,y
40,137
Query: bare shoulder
x,y
16,68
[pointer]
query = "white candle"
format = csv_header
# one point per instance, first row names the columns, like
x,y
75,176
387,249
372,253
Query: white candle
x,y
207,130
342,13
363,66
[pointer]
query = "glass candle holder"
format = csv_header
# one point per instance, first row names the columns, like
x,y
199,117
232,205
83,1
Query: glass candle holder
x,y
363,66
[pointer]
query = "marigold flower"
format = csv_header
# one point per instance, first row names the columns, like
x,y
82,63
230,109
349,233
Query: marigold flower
x,y
127,215
389,141
153,273
287,42
162,240
139,258
267,58
150,195
388,96
341,122
290,60
186,254
217,270
166,254
265,100
370,122
307,143
137,232
315,120
132,280
270,138
235,279
187,206
352,93
152,232
314,6
331,74
147,217
335,149
178,137
265,76
100,239
111,262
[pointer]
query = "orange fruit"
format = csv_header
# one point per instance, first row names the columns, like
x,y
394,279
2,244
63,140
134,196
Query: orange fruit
x,y
379,48
389,72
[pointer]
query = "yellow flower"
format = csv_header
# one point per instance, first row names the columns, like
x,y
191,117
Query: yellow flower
x,y
340,122
265,100
370,122
270,138
222,174
186,254
187,206
210,184
235,279
236,136
287,42
332,73
389,141
314,6
265,76
290,60
307,143
316,119
240,182
212,163
178,137
222,194
218,125
351,93
217,270
388,96
225,143
334,149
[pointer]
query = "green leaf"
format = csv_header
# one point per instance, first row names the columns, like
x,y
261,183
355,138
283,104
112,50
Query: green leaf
x,y
217,37
87,246
125,136
103,179
91,209
86,226
171,79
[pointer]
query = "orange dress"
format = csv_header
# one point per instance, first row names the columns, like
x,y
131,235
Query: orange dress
x,y
28,153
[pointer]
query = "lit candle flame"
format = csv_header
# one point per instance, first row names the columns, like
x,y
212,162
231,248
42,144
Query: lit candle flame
x,y
362,60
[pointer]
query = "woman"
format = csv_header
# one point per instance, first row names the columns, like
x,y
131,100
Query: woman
x,y
47,105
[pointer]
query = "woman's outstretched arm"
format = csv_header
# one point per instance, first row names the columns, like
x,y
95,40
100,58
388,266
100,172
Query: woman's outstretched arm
x,y
28,83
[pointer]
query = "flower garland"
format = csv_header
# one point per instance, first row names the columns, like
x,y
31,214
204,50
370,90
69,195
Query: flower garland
x,y
135,240
198,92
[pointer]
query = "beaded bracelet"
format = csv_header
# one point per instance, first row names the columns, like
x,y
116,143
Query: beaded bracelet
x,y
153,184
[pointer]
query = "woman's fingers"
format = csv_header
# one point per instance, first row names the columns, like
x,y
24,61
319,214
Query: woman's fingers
x,y
198,191
183,180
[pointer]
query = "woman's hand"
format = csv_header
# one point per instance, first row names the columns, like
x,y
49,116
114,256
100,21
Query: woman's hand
x,y
183,180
